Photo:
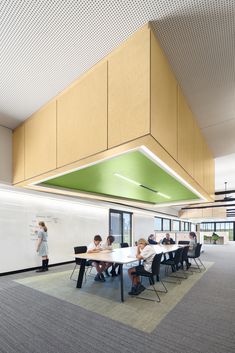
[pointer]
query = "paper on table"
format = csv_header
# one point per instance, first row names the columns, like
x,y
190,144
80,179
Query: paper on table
x,y
106,250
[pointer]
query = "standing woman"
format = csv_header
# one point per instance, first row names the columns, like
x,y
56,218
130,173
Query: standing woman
x,y
42,247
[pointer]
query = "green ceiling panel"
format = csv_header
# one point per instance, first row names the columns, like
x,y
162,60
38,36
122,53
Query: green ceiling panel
x,y
137,168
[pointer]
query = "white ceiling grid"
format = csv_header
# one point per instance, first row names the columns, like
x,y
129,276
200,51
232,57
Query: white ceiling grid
x,y
47,44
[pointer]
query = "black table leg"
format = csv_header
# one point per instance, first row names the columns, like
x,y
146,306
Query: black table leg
x,y
121,279
81,273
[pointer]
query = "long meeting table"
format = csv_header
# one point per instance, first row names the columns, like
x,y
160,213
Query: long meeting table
x,y
120,256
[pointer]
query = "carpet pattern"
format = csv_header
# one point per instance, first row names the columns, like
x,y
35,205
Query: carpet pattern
x,y
104,298
202,321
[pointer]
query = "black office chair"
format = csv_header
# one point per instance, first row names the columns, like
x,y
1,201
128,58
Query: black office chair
x,y
150,275
124,245
197,256
184,258
183,242
80,250
174,263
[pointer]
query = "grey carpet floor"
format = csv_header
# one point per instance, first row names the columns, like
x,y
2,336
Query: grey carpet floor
x,y
104,298
203,321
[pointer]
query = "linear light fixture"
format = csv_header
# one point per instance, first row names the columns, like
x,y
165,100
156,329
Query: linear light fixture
x,y
141,185
127,179
170,171
164,195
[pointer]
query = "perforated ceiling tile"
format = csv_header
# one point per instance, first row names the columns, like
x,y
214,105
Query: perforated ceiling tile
x,y
47,44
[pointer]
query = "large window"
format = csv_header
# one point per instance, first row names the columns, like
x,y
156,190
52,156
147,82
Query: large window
x,y
157,224
185,226
226,227
120,226
223,226
175,225
219,227
207,226
166,224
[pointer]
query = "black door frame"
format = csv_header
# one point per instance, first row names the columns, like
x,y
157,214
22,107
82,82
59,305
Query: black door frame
x,y
122,230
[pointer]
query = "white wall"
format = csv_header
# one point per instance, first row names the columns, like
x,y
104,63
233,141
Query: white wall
x,y
143,226
69,224
5,155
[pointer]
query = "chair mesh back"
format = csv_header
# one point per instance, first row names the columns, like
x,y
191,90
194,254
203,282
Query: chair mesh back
x,y
178,256
79,250
198,250
124,245
185,253
156,264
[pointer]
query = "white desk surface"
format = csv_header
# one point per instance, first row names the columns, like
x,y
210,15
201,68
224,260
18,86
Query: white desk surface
x,y
123,255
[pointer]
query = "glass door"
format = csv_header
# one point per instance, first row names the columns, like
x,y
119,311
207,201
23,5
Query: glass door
x,y
127,228
115,226
120,226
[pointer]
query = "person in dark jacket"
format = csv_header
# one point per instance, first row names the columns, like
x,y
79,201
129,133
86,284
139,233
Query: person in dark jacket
x,y
151,239
167,240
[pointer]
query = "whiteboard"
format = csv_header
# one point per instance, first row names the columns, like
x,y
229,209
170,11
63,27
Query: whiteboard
x,y
69,224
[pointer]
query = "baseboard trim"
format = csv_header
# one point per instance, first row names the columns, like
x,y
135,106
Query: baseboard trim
x,y
33,268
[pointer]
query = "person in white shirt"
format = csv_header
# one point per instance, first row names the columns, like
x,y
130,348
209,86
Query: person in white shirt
x,y
146,253
108,245
93,247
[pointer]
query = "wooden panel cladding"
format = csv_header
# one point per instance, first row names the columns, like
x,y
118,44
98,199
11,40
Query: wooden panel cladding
x,y
203,213
208,171
40,141
163,100
194,213
129,90
151,144
207,213
130,98
212,177
214,213
82,117
18,154
198,155
185,135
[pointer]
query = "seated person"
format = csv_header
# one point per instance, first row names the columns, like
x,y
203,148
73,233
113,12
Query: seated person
x,y
108,245
192,246
167,240
94,247
151,239
144,252
192,243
